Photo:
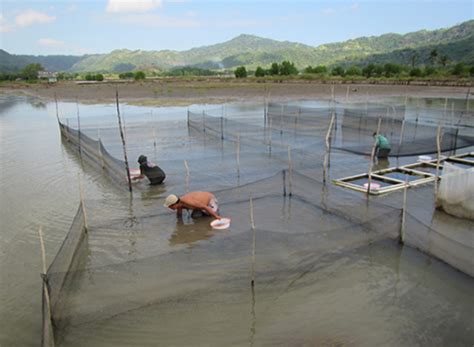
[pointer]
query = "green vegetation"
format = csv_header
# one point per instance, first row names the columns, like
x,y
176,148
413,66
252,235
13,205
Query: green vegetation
x,y
96,77
240,72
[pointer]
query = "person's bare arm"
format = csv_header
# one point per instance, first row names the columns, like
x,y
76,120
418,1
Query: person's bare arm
x,y
211,212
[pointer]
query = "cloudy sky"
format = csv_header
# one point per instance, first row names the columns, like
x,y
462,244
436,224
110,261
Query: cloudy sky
x,y
100,26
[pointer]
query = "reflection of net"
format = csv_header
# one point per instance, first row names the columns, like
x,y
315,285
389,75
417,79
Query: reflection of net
x,y
60,277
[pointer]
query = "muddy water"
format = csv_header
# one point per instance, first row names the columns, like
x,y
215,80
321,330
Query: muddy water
x,y
372,295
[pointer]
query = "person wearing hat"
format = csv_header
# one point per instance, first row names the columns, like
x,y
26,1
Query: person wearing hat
x,y
382,146
153,172
200,202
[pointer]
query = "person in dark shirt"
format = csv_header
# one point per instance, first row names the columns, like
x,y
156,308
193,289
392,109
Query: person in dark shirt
x,y
153,172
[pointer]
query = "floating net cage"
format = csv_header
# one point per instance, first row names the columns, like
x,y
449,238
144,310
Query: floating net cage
x,y
289,228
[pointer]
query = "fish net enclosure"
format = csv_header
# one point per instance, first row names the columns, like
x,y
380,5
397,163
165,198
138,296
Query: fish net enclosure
x,y
131,268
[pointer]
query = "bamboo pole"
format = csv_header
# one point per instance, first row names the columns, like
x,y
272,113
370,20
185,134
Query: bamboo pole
x,y
238,155
252,224
45,284
284,182
372,158
438,160
99,149
123,142
270,137
43,252
203,121
57,111
186,182
328,135
404,210
290,171
402,130
187,115
78,128
83,205
347,94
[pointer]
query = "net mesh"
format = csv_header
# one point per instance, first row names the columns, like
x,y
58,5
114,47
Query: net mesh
x,y
144,267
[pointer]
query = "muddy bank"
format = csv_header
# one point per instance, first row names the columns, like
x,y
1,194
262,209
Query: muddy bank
x,y
180,92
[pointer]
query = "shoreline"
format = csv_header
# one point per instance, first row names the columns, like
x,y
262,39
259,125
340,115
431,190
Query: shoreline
x,y
173,92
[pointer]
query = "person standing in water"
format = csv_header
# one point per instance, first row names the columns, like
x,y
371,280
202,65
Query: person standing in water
x,y
151,171
382,146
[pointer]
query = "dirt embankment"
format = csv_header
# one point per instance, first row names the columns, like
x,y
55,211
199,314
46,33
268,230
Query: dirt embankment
x,y
176,92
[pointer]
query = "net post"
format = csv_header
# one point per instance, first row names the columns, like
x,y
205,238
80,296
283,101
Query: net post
x,y
284,182
404,211
222,128
186,183
81,197
438,160
46,295
347,94
326,160
270,137
290,171
252,224
78,128
203,121
400,141
187,117
56,102
99,149
123,142
372,155
238,155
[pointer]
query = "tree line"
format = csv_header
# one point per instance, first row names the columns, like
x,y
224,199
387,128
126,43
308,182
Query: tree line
x,y
371,70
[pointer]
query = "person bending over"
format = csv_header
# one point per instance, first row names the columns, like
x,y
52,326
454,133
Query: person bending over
x,y
199,202
382,146
153,172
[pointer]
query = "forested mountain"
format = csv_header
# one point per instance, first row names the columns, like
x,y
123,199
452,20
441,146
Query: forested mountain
x,y
456,43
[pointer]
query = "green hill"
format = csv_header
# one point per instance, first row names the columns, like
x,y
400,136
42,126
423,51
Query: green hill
x,y
251,51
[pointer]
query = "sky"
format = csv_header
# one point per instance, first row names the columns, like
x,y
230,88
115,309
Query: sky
x,y
47,27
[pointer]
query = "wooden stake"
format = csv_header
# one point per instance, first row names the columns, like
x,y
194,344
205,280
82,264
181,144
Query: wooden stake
x,y
252,224
401,136
290,170
347,94
43,252
238,155
78,128
99,149
83,205
404,210
270,137
57,112
438,146
284,182
123,142
328,135
372,157
186,183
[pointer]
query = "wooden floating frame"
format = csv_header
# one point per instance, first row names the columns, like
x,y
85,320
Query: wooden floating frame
x,y
409,169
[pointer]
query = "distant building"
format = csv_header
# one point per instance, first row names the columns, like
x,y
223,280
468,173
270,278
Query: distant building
x,y
52,77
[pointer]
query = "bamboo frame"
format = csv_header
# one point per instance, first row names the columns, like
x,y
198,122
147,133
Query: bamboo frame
x,y
45,281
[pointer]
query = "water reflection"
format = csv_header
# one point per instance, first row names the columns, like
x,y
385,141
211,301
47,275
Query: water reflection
x,y
380,164
189,232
